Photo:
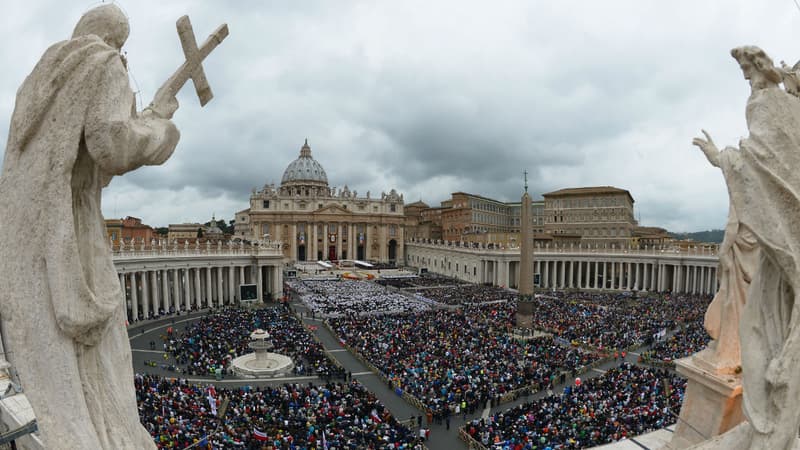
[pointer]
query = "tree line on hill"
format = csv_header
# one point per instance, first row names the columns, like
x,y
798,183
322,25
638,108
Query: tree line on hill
x,y
701,236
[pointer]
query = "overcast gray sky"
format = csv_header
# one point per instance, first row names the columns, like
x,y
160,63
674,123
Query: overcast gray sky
x,y
431,98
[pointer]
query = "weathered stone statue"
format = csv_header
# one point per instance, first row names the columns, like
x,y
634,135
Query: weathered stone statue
x,y
738,260
74,127
764,185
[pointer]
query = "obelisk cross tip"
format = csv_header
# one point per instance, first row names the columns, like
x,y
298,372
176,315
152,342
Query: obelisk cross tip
x,y
195,56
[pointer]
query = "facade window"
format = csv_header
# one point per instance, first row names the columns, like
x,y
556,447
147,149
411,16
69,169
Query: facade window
x,y
264,228
265,204
393,207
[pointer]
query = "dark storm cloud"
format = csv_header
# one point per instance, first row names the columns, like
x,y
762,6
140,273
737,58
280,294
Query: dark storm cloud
x,y
432,98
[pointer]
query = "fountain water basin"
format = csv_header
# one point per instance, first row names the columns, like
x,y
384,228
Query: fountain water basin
x,y
261,363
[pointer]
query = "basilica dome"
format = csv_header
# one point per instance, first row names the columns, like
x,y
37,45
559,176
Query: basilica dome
x,y
304,170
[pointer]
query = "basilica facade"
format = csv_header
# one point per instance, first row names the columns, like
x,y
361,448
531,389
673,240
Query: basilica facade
x,y
316,222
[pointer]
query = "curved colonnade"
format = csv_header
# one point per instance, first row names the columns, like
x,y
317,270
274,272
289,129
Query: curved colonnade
x,y
160,278
692,270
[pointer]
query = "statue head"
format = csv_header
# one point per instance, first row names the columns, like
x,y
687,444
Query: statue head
x,y
757,67
107,22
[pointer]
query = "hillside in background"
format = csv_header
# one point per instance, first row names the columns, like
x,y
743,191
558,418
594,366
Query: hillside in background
x,y
701,236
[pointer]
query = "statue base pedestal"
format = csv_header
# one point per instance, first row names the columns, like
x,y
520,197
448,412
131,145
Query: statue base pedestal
x,y
712,403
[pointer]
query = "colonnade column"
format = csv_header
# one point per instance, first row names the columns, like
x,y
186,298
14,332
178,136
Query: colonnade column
x,y
177,289
220,290
152,289
187,286
125,298
145,296
134,295
562,275
596,274
605,274
209,300
198,295
571,263
165,289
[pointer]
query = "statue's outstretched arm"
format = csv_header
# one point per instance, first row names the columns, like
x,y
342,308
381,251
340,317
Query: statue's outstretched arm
x,y
713,154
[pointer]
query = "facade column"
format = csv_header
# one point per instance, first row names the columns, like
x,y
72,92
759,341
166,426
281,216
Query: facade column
x,y
293,242
632,278
563,274
311,242
597,275
351,242
231,283
135,296
580,275
571,263
258,277
613,280
339,235
547,274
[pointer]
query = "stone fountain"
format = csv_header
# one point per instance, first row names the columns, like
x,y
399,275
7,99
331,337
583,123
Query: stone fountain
x,y
261,363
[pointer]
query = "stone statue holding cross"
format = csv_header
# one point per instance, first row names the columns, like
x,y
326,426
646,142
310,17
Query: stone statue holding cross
x,y
74,127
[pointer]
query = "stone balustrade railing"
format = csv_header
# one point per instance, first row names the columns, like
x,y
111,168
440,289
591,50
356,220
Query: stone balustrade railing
x,y
163,249
652,250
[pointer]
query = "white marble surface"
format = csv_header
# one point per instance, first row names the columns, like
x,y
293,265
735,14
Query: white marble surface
x,y
655,440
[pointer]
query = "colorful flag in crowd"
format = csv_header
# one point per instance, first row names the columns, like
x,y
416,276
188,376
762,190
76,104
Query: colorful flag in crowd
x,y
259,435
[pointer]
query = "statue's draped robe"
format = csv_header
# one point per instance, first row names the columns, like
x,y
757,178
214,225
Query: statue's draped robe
x,y
61,302
738,261
764,184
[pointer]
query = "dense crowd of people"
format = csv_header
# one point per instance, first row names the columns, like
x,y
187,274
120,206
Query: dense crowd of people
x,y
463,358
467,294
292,416
346,298
622,403
690,339
208,345
422,281
614,321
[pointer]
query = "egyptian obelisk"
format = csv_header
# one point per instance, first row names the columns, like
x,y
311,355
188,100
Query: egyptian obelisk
x,y
525,307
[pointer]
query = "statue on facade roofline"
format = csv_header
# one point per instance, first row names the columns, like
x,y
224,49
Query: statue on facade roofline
x,y
763,178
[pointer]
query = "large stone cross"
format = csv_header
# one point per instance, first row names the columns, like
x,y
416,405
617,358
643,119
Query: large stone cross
x,y
192,67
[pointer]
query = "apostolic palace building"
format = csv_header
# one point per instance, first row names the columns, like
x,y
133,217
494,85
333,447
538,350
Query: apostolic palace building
x,y
315,221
